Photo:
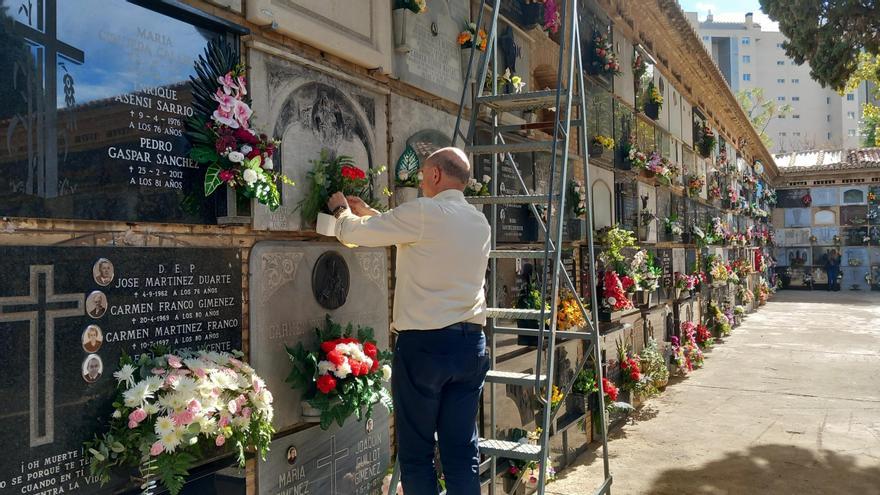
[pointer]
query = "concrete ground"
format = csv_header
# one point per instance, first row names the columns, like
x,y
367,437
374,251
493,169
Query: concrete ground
x,y
789,404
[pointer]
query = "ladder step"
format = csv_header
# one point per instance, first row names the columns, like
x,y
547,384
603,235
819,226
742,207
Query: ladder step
x,y
513,199
523,147
513,378
516,314
510,450
538,126
533,332
530,100
533,254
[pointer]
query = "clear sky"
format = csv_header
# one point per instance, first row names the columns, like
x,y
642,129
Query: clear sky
x,y
729,11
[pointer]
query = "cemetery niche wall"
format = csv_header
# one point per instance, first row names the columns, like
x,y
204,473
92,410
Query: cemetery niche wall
x,y
66,316
350,286
94,112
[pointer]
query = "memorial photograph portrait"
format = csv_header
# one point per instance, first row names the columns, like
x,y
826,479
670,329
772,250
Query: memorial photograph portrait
x,y
103,272
96,304
92,338
92,368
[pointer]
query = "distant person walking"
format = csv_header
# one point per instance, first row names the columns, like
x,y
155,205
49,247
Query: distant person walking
x,y
832,268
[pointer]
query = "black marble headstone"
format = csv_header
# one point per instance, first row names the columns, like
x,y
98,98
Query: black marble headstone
x,y
790,198
627,199
664,260
347,460
93,126
66,316
854,236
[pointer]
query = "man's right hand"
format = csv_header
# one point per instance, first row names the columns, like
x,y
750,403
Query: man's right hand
x,y
359,207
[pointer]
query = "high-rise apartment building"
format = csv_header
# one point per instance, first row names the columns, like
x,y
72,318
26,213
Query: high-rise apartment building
x,y
750,57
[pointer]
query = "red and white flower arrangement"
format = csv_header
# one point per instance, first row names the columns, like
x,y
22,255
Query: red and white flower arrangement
x,y
344,376
170,406
614,293
221,133
604,60
330,174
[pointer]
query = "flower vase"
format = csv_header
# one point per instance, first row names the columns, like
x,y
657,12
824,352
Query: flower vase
x,y
406,194
596,150
580,402
678,293
652,110
648,174
465,58
309,414
642,298
399,20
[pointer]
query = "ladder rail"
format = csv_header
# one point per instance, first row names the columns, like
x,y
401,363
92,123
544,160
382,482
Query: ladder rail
x,y
594,302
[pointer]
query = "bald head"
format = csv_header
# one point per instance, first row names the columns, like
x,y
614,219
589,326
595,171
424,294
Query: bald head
x,y
446,168
453,162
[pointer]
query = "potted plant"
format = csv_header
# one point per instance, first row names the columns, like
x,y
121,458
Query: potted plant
x,y
653,366
599,144
468,39
530,298
172,407
403,9
584,385
406,179
654,102
343,376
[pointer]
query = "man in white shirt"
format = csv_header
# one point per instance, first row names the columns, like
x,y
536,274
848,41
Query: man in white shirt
x,y
440,359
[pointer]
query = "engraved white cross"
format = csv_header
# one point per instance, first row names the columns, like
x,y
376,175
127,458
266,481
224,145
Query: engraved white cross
x,y
331,460
42,303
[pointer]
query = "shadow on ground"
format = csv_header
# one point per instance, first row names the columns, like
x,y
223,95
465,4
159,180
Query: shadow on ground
x,y
773,470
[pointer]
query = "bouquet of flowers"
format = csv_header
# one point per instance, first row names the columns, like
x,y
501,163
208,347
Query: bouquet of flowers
x,y
654,95
695,184
678,357
653,367
344,376
552,19
717,270
568,313
221,133
604,60
672,225
645,271
732,194
471,35
416,6
633,156
692,352
330,174
604,141
615,240
170,406
613,293
707,141
660,166
719,320
683,281
704,336
476,188
714,190
578,194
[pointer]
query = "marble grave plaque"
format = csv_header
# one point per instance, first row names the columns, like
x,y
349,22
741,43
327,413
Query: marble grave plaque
x,y
66,316
285,310
94,129
347,460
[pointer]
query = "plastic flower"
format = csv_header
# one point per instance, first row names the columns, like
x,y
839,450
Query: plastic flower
x,y
125,375
250,176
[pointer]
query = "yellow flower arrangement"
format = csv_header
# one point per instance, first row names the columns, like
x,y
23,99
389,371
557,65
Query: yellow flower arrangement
x,y
568,314
656,97
605,141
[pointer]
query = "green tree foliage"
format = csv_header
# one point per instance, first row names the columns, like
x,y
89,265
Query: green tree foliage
x,y
828,34
870,124
760,111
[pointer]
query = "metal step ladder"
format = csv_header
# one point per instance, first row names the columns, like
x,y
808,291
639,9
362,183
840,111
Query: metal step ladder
x,y
564,100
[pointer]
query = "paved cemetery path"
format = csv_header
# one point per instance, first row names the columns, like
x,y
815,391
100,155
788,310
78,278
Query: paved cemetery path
x,y
789,404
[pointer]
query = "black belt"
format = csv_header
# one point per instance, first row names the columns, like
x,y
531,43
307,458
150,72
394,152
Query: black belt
x,y
466,326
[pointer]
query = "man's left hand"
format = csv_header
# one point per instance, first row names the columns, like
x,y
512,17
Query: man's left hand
x,y
337,200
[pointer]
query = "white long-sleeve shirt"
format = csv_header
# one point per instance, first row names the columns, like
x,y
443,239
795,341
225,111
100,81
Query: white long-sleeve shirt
x,y
442,254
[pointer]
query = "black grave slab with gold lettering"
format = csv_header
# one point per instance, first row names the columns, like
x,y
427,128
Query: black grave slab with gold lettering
x,y
95,95
66,316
